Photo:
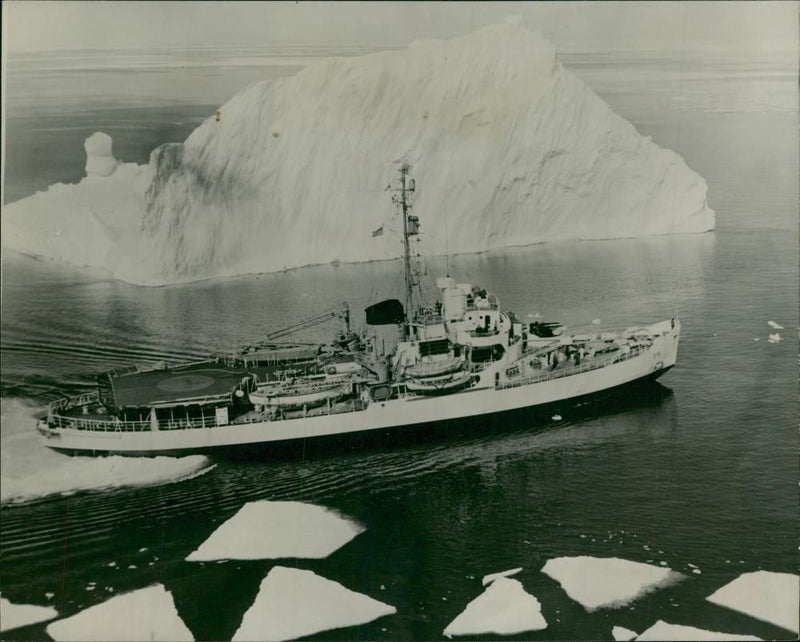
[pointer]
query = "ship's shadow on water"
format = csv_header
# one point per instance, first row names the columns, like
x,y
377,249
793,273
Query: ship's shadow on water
x,y
631,397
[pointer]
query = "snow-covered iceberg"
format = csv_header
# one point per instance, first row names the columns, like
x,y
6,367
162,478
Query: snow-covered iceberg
x,y
272,530
146,614
507,147
603,582
293,603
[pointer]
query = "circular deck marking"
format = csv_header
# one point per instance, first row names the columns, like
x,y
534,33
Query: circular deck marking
x,y
185,383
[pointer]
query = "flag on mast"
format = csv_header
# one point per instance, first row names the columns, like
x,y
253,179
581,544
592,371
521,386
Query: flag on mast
x,y
378,232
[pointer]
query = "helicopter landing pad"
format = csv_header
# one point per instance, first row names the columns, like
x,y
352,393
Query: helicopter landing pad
x,y
200,380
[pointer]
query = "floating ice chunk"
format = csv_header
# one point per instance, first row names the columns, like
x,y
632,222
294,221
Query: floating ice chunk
x,y
271,530
774,338
488,579
504,608
556,417
49,595
596,321
293,603
621,634
100,160
606,582
696,571
764,595
774,326
13,616
664,631
146,614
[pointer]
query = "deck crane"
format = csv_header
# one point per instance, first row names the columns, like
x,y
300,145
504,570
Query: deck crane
x,y
341,311
344,339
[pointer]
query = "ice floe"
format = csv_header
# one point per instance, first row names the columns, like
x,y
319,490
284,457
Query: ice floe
x,y
774,338
30,472
13,616
146,614
764,595
504,608
556,417
293,603
606,582
664,631
621,634
488,579
272,530
774,326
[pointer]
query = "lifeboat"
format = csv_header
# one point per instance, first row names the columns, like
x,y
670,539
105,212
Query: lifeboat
x,y
434,368
442,385
301,393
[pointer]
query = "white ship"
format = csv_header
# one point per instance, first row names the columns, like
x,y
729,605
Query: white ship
x,y
462,358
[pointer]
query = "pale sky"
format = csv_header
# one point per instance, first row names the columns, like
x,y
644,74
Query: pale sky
x,y
743,26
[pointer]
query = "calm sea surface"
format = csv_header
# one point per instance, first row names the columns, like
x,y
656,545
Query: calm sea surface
x,y
703,470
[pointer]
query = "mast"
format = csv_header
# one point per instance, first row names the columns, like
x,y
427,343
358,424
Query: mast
x,y
410,228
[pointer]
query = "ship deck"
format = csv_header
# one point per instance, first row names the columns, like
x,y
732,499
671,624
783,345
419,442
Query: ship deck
x,y
206,380
154,387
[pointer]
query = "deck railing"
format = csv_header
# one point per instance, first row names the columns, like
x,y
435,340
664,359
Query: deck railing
x,y
202,422
560,373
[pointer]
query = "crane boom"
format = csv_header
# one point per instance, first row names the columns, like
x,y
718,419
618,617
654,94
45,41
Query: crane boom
x,y
341,311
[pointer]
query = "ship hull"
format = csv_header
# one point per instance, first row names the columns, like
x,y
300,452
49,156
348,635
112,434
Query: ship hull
x,y
413,413
644,391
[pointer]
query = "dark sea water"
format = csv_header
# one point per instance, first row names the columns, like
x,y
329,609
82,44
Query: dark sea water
x,y
702,469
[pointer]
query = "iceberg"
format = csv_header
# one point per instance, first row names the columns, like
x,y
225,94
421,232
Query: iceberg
x,y
764,595
664,631
145,614
507,146
100,159
504,608
293,603
13,616
606,582
272,530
